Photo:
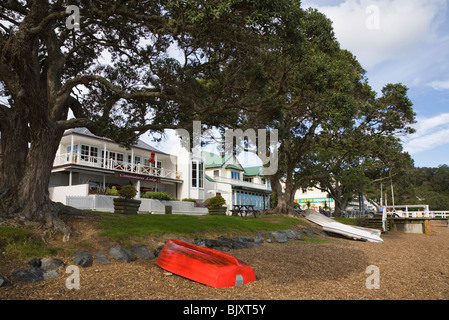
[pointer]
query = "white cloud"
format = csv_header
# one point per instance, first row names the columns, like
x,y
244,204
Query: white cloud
x,y
430,133
439,85
394,29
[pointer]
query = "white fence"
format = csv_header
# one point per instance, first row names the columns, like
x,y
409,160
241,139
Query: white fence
x,y
106,204
439,214
59,194
410,214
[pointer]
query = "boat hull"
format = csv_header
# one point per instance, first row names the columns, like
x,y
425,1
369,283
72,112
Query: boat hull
x,y
351,232
207,266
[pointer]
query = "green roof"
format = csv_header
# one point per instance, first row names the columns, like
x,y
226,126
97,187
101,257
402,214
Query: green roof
x,y
233,166
213,160
253,171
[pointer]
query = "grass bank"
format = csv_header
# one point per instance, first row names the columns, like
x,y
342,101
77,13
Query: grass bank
x,y
122,227
21,244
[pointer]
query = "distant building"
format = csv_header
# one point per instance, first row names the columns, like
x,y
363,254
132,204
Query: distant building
x,y
313,198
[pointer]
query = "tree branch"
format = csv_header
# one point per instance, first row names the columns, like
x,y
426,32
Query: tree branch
x,y
85,80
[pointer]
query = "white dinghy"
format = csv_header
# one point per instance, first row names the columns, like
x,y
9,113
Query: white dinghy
x,y
351,232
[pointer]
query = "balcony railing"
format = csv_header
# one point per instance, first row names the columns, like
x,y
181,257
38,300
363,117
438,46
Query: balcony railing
x,y
111,164
242,183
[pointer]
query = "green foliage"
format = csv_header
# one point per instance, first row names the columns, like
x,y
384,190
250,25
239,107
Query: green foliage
x,y
112,191
426,186
189,200
158,196
127,192
216,201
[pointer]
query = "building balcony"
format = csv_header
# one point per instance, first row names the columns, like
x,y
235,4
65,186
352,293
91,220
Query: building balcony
x,y
114,165
241,183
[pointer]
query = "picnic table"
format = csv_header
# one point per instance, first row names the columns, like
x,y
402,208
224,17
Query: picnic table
x,y
243,210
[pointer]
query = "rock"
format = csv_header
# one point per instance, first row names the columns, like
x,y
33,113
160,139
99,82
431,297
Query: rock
x,y
158,250
50,274
280,236
35,263
142,252
49,264
259,239
243,243
101,258
269,237
30,275
3,281
291,234
121,254
222,242
200,243
83,258
308,232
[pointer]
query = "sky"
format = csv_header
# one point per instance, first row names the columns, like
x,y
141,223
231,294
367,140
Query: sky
x,y
402,41
399,41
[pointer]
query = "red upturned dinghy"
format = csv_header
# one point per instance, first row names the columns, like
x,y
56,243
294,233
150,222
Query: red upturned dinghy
x,y
208,266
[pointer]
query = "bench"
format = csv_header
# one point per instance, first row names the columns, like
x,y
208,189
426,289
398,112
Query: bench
x,y
244,209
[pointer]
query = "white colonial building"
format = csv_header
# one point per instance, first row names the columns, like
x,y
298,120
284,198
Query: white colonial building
x,y
85,165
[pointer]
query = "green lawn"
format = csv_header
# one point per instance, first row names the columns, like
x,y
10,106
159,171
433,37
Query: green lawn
x,y
18,243
122,227
21,243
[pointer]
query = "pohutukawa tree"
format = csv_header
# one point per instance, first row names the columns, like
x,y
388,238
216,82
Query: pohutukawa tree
x,y
116,75
326,109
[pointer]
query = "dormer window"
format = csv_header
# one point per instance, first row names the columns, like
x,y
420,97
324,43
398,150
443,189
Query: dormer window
x,y
235,175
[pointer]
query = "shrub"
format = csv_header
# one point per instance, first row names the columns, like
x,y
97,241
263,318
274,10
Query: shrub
x,y
112,191
158,196
189,200
216,201
127,192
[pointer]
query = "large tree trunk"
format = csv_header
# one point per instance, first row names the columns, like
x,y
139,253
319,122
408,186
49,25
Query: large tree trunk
x,y
30,201
340,204
14,153
285,197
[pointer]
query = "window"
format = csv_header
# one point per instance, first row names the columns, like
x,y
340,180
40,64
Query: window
x,y
89,153
201,174
137,159
235,175
113,156
84,152
94,154
216,173
197,174
194,174
74,153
